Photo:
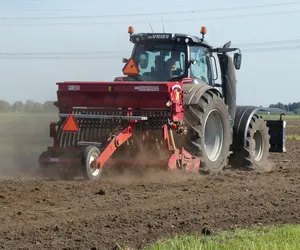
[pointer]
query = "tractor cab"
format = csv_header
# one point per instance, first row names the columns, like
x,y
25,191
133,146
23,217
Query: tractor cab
x,y
164,57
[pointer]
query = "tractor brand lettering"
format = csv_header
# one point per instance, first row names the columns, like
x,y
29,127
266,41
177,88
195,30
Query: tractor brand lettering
x,y
147,88
73,87
159,36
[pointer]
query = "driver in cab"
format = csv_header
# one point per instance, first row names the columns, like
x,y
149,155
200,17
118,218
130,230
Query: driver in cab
x,y
171,62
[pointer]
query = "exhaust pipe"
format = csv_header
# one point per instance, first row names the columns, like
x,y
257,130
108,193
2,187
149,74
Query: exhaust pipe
x,y
230,93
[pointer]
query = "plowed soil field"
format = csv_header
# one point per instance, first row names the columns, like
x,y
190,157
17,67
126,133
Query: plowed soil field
x,y
132,210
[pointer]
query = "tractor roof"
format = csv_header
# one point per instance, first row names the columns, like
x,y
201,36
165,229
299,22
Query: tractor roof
x,y
167,37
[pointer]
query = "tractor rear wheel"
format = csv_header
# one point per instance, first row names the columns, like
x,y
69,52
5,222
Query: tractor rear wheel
x,y
256,153
209,131
91,153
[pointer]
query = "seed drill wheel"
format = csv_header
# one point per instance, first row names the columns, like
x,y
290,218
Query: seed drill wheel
x,y
91,153
256,153
209,130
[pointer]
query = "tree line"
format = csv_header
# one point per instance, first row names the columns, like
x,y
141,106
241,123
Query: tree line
x,y
291,107
27,107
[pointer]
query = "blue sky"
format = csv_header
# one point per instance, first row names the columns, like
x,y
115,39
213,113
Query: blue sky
x,y
265,77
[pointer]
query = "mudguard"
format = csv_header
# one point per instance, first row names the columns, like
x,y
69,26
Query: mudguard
x,y
241,124
193,92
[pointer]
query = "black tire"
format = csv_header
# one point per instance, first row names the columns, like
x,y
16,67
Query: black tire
x,y
89,152
195,118
258,138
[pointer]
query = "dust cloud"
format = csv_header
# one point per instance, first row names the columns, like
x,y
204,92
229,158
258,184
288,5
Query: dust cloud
x,y
147,161
25,138
22,139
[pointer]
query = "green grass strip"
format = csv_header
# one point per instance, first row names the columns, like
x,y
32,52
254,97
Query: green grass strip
x,y
275,238
292,137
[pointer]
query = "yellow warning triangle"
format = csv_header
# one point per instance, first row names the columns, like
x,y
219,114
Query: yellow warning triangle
x,y
70,125
131,68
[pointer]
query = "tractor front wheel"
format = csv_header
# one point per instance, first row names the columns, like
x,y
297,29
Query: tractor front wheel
x,y
209,131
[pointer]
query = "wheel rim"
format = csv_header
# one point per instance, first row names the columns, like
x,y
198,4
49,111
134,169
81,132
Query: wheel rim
x,y
213,135
93,171
258,146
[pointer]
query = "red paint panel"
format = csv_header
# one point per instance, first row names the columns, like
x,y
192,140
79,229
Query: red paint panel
x,y
116,86
69,99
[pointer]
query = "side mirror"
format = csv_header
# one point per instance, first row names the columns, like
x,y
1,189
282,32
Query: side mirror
x,y
237,60
124,60
144,60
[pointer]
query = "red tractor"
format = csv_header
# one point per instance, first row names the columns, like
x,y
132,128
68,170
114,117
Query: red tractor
x,y
176,104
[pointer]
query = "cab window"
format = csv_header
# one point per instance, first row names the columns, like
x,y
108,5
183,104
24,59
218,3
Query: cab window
x,y
201,68
160,62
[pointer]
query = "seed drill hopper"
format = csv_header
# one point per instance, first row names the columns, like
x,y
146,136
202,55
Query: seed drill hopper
x,y
174,107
